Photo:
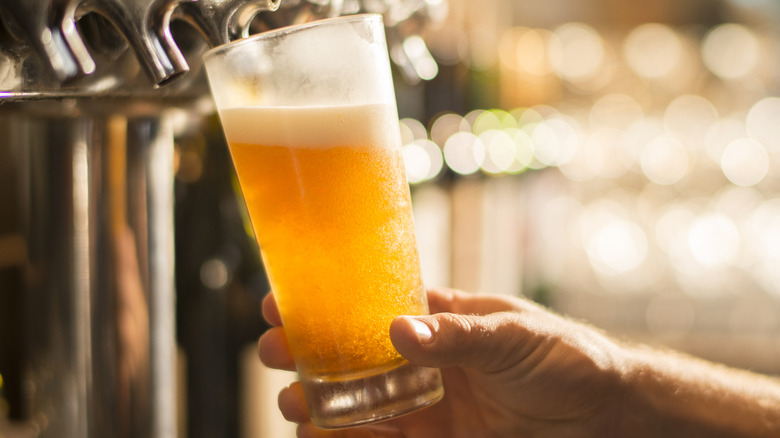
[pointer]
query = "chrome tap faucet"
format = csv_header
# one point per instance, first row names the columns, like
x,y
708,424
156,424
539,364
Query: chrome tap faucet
x,y
145,24
222,21
50,27
44,43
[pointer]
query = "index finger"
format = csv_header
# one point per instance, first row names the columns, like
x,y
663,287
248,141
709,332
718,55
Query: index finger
x,y
271,310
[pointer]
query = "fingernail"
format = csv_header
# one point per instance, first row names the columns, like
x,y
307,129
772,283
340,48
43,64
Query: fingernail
x,y
423,331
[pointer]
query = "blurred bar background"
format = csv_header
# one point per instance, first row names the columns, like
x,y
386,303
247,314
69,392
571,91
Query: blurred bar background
x,y
618,161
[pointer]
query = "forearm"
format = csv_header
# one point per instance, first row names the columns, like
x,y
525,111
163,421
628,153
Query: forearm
x,y
672,395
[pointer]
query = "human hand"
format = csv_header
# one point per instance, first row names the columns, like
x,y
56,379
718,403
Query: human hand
x,y
510,368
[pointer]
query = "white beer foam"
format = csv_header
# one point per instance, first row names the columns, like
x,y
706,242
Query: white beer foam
x,y
345,61
317,126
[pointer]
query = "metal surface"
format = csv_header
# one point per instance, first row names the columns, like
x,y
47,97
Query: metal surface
x,y
49,27
151,48
222,21
96,201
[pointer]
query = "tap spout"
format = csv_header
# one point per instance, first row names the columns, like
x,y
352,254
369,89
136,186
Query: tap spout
x,y
222,21
145,24
50,28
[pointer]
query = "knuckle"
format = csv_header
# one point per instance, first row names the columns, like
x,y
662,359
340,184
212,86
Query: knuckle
x,y
459,323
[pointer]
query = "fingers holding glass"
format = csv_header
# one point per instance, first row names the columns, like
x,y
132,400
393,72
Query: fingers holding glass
x,y
273,350
271,310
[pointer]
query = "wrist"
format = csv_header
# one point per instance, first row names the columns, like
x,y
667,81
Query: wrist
x,y
639,413
668,394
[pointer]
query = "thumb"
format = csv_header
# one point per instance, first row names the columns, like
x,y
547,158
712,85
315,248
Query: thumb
x,y
485,342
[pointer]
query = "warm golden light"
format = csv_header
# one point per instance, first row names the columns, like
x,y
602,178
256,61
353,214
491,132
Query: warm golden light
x,y
417,163
720,135
524,151
524,49
714,240
672,224
731,51
446,125
655,114
577,52
615,110
745,162
412,130
464,153
664,161
423,161
762,123
499,151
688,118
420,58
555,141
617,246
653,50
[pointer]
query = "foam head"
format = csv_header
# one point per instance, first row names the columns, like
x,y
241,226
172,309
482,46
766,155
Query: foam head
x,y
341,61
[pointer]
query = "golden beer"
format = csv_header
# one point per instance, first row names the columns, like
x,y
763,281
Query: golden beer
x,y
310,118
328,199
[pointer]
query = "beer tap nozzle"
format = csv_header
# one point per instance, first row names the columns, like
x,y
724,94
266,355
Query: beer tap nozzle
x,y
222,21
145,24
49,27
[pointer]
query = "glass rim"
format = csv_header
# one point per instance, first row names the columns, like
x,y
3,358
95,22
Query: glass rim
x,y
293,28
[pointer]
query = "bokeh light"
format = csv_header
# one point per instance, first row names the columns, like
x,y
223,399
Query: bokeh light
x,y
672,224
745,162
500,151
615,110
664,160
423,160
420,58
446,125
417,163
412,130
524,49
524,151
720,135
618,246
577,52
653,50
689,148
714,240
464,153
731,51
761,123
688,118
555,141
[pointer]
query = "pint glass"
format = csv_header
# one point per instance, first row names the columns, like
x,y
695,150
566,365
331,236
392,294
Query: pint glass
x,y
310,118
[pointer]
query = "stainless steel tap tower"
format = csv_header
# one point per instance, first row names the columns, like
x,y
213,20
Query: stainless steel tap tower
x,y
86,90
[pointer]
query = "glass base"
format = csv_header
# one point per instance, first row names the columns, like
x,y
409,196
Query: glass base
x,y
367,399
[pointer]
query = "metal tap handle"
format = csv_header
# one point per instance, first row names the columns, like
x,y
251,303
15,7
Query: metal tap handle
x,y
145,24
32,31
50,27
223,21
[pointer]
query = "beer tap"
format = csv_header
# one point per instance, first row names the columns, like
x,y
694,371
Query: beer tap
x,y
145,24
222,21
50,28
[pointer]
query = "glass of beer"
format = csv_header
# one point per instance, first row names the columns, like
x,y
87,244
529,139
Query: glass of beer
x,y
309,115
